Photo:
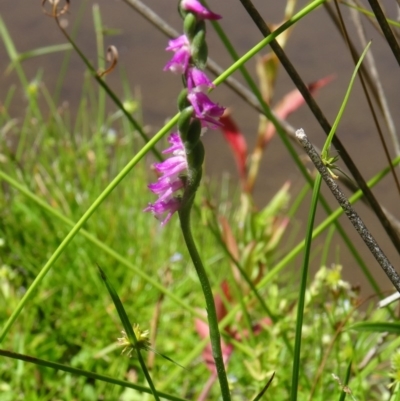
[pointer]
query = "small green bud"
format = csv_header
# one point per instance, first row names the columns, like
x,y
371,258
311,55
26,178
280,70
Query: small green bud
x,y
181,11
182,99
196,156
190,25
142,341
199,49
195,162
193,135
184,122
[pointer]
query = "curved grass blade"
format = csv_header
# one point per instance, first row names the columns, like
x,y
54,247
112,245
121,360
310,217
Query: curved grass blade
x,y
262,392
41,51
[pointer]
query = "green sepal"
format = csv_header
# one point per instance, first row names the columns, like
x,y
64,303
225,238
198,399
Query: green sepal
x,y
195,160
181,11
190,25
193,135
199,49
184,122
183,102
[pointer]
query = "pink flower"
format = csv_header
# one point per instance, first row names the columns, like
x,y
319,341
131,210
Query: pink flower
x,y
180,60
160,208
197,80
197,8
169,182
205,110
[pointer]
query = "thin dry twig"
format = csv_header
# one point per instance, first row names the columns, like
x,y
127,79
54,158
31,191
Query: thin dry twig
x,y
55,10
354,218
112,58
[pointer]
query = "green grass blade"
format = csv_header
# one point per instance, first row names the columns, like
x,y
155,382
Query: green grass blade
x,y
302,291
14,57
42,51
85,373
377,327
371,14
396,393
120,309
134,341
262,392
13,54
328,141
346,382
98,27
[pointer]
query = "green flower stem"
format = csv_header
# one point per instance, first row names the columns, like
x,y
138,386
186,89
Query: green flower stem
x,y
303,288
85,373
215,336
149,145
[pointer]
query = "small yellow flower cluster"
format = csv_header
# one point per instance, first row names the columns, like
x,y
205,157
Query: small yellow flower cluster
x,y
142,338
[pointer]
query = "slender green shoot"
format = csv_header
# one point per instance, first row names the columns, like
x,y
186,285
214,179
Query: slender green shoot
x,y
134,341
302,290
